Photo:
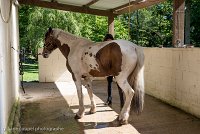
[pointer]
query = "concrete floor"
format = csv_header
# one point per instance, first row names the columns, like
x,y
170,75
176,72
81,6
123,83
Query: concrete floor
x,y
45,109
50,108
157,116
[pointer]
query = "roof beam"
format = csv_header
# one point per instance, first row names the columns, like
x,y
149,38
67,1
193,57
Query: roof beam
x,y
91,3
65,7
137,6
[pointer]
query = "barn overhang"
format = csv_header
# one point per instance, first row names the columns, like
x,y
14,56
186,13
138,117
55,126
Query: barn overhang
x,y
95,7
109,8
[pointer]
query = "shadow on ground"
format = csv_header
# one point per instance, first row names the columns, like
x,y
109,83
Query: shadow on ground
x,y
157,116
45,111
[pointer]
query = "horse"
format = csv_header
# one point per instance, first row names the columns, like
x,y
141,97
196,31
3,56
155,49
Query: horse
x,y
86,59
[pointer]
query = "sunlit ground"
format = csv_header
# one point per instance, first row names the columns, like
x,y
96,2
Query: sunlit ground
x,y
30,72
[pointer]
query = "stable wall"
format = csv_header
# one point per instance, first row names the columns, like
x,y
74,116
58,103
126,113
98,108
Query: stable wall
x,y
52,69
171,74
9,75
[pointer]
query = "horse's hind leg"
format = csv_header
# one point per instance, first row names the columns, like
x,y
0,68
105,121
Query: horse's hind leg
x,y
129,92
81,110
90,92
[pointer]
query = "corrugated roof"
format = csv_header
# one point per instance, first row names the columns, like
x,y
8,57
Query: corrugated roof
x,y
97,7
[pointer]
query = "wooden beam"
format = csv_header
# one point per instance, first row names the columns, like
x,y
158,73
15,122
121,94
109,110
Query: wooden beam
x,y
178,22
137,6
65,7
111,26
91,3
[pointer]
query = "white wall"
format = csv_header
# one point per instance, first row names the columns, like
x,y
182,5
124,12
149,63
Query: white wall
x,y
53,68
9,75
171,74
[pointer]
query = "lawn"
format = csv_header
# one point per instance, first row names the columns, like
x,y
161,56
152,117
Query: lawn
x,y
30,72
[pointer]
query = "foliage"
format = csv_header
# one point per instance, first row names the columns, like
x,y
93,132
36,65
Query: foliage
x,y
35,21
149,27
195,21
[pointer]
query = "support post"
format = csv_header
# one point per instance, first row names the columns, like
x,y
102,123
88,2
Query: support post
x,y
111,29
178,22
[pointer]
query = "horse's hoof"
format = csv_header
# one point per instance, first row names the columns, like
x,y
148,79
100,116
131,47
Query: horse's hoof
x,y
123,122
117,118
77,116
92,111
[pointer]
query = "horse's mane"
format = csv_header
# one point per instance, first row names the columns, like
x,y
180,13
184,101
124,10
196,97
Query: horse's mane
x,y
59,32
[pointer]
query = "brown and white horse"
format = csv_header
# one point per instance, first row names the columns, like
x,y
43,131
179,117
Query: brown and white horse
x,y
86,59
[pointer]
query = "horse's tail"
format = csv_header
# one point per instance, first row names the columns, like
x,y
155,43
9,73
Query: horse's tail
x,y
136,80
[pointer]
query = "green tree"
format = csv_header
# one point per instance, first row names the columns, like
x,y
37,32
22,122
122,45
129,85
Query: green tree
x,y
151,26
34,22
195,21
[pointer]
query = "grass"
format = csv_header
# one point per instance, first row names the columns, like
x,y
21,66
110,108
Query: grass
x,y
30,72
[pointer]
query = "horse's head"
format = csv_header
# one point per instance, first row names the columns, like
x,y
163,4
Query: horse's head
x,y
50,43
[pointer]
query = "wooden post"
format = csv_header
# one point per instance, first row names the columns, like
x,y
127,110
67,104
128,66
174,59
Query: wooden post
x,y
178,22
111,29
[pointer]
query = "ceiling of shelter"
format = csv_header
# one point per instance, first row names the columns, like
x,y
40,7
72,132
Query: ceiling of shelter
x,y
96,7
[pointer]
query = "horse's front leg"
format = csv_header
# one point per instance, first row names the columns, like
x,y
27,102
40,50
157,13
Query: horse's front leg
x,y
88,85
81,110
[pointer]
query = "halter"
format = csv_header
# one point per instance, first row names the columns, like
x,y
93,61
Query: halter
x,y
50,45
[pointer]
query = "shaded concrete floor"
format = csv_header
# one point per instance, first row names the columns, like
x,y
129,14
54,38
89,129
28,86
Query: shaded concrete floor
x,y
44,110
50,108
157,116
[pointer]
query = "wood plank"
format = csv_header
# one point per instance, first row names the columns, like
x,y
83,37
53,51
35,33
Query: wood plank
x,y
91,2
65,7
139,5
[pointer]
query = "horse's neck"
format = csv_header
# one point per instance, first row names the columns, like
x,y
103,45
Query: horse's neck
x,y
71,40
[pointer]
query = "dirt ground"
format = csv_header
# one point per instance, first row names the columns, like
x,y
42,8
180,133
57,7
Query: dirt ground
x,y
45,111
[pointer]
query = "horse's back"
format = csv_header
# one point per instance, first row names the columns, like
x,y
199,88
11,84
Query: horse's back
x,y
129,55
125,45
107,58
128,49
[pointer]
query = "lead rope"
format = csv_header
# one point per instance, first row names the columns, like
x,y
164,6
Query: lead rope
x,y
21,69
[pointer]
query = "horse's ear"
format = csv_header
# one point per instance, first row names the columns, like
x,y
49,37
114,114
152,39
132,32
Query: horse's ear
x,y
50,29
